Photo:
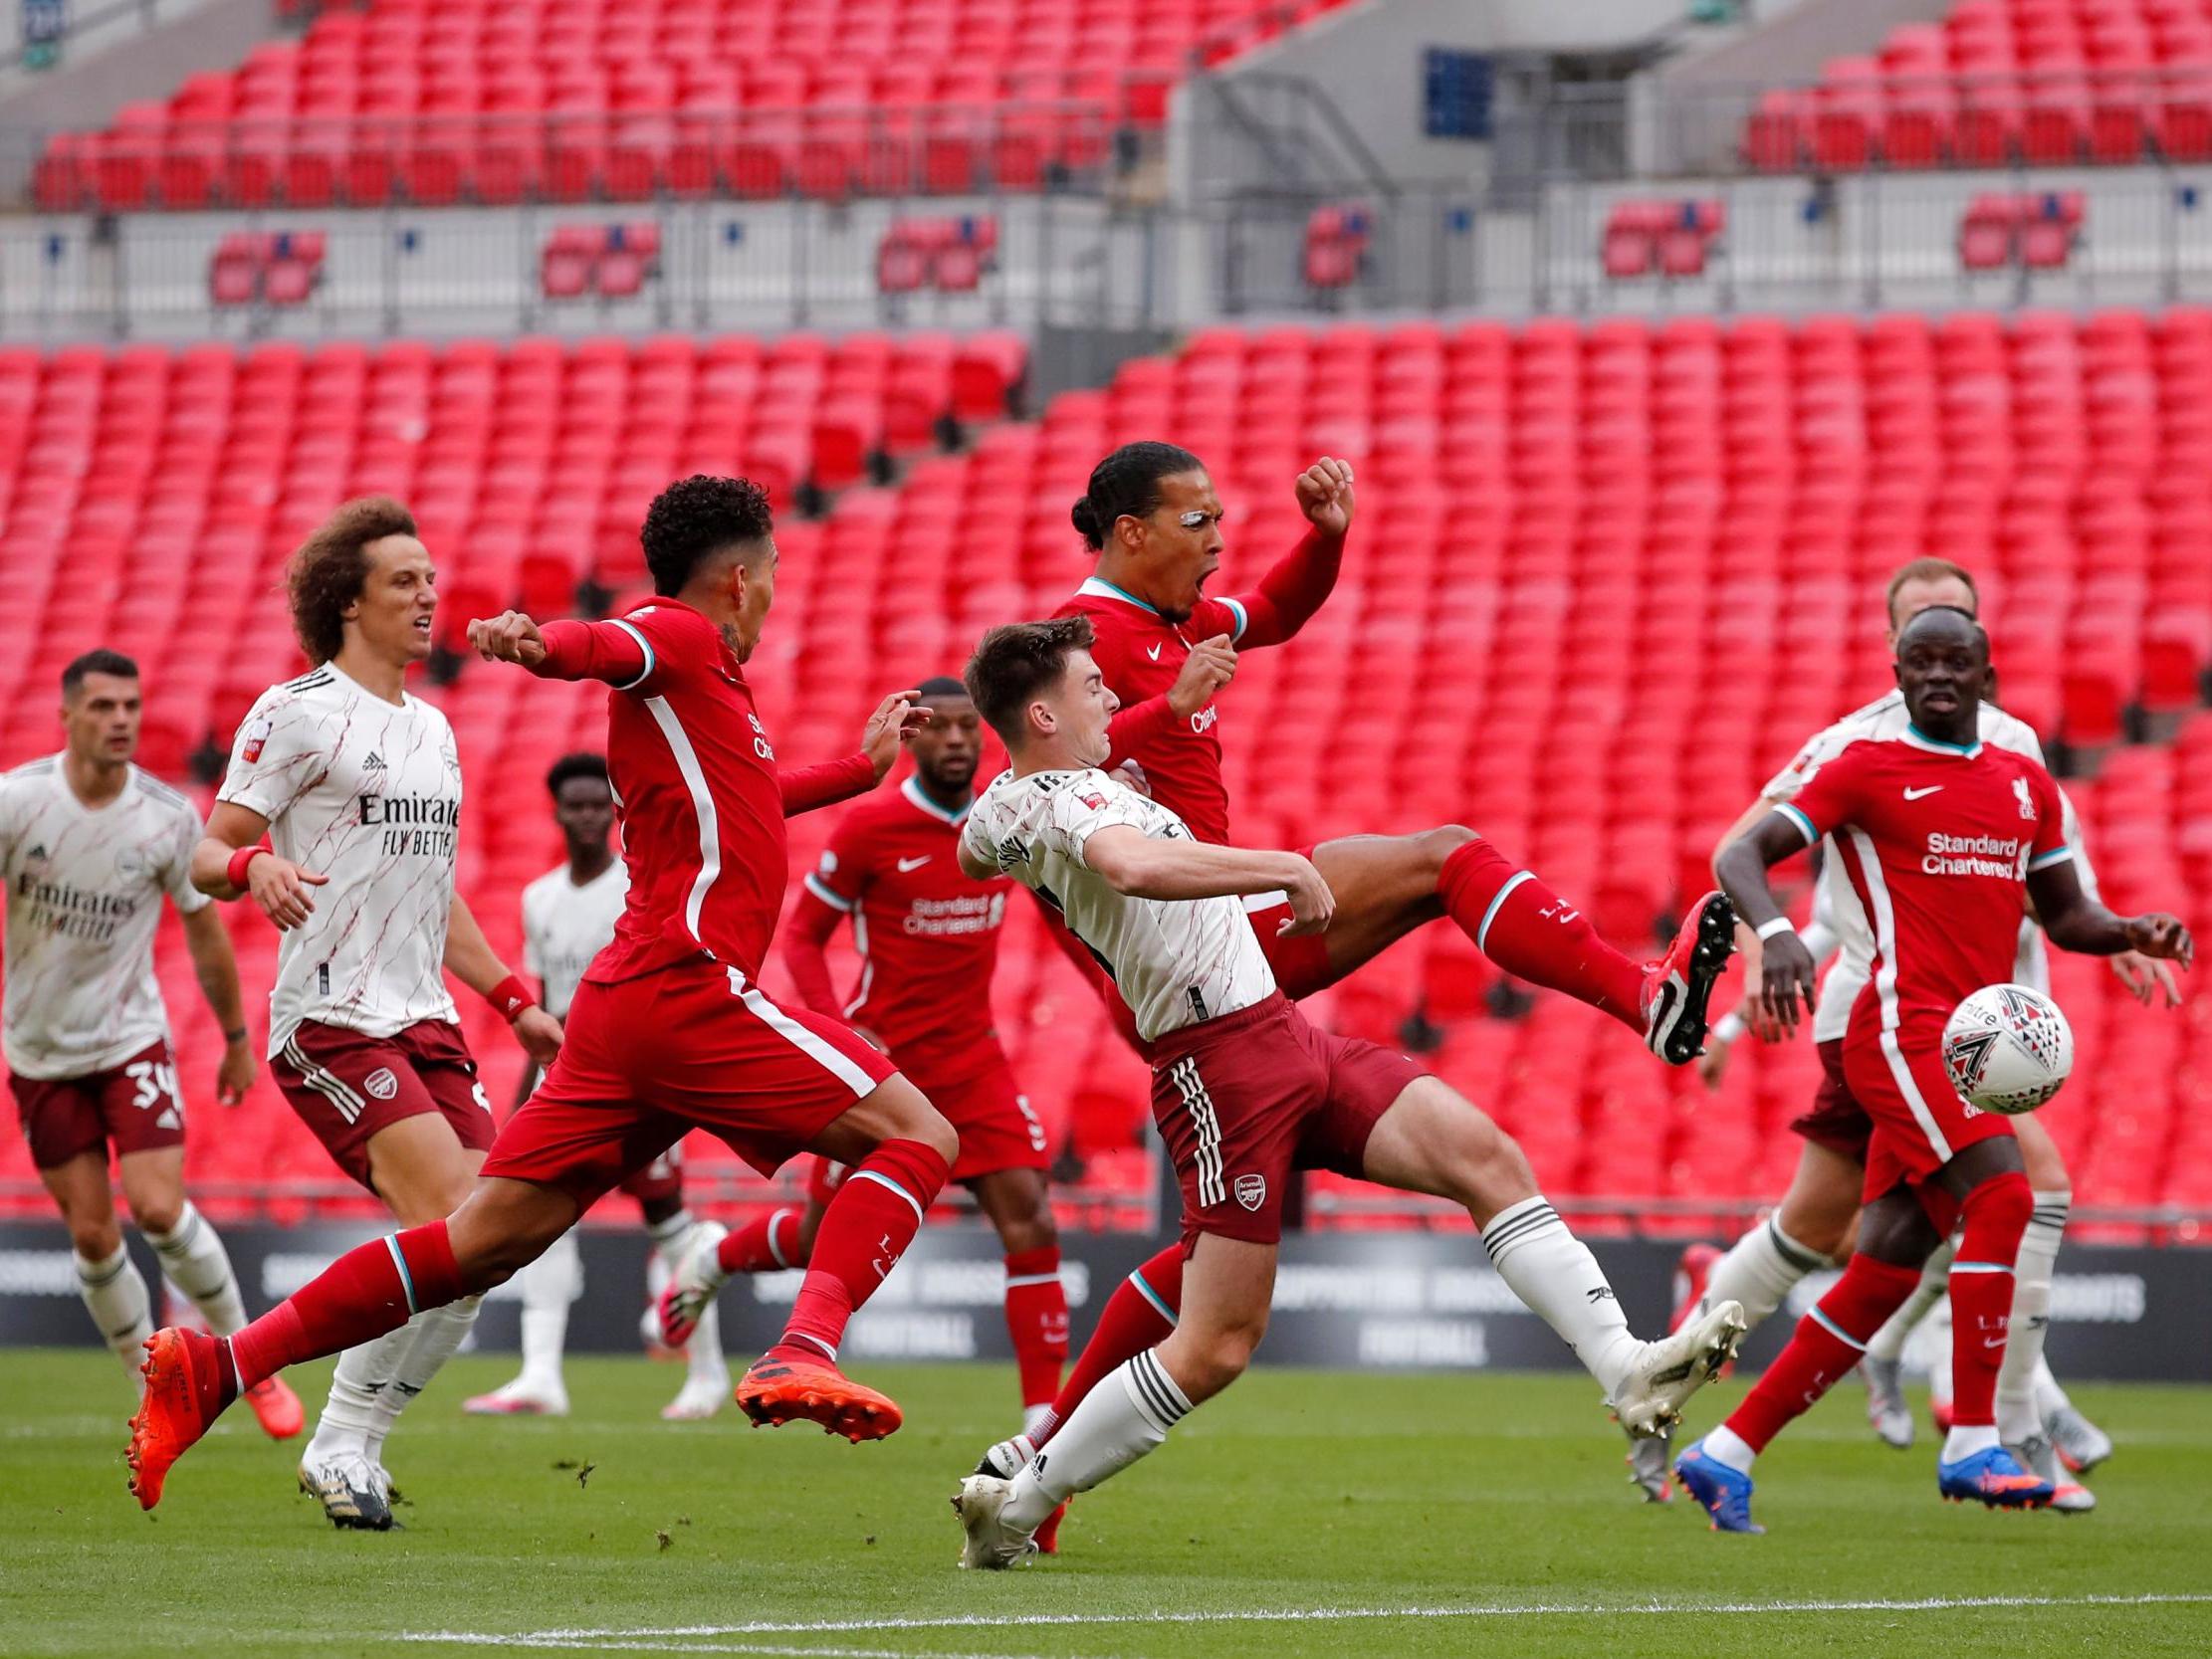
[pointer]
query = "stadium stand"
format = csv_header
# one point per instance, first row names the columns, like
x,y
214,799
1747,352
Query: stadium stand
x,y
1613,575
606,262
282,269
2003,82
1666,238
574,100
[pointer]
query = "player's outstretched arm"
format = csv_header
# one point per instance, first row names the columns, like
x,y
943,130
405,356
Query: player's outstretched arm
x,y
234,859
804,940
612,652
827,783
1299,583
470,959
1131,861
215,965
1785,966
2075,921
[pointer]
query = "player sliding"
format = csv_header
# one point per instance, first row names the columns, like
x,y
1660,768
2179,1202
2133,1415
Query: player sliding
x,y
339,816
1943,839
568,917
928,939
89,845
1812,1227
1245,1091
669,1029
1151,516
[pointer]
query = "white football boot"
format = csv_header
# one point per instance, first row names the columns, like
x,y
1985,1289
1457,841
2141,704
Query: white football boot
x,y
1666,1372
347,1489
992,1543
1886,1411
692,1288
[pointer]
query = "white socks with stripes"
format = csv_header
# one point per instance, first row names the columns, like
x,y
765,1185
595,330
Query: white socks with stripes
x,y
114,1295
1935,1278
2017,1419
1760,1270
441,1330
364,1373
1554,1274
549,1285
1125,1417
195,1262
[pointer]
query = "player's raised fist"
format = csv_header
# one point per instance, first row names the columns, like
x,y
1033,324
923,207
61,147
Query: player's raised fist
x,y
896,720
2163,936
1325,495
510,637
1211,666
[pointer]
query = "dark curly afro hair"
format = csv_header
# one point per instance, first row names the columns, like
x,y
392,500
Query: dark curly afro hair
x,y
695,517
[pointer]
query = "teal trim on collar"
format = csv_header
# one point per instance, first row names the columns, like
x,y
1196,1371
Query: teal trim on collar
x,y
1100,588
1920,739
912,790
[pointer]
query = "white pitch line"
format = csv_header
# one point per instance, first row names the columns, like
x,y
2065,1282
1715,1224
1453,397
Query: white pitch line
x,y
692,1636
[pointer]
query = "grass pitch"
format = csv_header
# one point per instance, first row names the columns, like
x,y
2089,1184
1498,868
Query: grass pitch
x,y
1304,1513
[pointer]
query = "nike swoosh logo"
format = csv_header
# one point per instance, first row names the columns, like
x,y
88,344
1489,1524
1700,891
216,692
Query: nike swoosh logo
x,y
907,864
1915,795
1993,1341
1154,653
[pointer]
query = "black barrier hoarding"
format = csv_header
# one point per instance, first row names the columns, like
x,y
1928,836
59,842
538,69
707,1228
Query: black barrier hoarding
x,y
1397,1300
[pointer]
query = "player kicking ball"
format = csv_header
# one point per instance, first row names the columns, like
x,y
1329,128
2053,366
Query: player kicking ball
x,y
1944,840
669,1030
1244,1090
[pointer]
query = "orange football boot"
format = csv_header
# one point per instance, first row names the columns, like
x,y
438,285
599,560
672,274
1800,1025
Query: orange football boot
x,y
776,1391
171,1418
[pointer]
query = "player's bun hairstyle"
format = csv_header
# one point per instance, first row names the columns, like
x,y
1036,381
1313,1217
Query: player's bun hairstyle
x,y
583,763
695,517
1126,481
1016,662
1928,570
329,566
102,660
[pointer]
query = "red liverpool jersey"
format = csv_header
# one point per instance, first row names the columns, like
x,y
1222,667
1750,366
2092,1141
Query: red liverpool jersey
x,y
700,798
926,935
1938,842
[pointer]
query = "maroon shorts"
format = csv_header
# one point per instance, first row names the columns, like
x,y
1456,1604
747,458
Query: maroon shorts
x,y
693,1045
346,1086
998,1131
1920,1121
1835,1120
135,1105
1244,1099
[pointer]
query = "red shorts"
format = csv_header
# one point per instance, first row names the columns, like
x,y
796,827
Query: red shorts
x,y
998,1131
346,1086
1835,1120
135,1105
693,1045
1244,1099
1920,1123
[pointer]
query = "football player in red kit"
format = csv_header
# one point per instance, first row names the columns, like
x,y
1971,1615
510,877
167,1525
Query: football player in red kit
x,y
1945,839
928,939
669,1030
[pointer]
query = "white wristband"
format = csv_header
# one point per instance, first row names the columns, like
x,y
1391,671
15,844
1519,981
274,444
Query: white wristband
x,y
1780,925
1728,1027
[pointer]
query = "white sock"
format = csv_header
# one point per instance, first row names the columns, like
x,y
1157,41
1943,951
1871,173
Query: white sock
x,y
2050,1396
704,1352
114,1293
671,1243
193,1258
440,1334
364,1374
1965,1442
1554,1274
2018,1420
1729,1449
548,1284
1125,1417
1760,1270
1036,1419
1936,1279
1938,1339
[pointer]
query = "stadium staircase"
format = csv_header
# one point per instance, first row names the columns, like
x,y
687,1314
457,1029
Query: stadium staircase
x,y
1605,580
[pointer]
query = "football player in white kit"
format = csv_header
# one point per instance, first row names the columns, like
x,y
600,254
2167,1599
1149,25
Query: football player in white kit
x,y
1245,1091
568,915
1814,1225
341,815
88,845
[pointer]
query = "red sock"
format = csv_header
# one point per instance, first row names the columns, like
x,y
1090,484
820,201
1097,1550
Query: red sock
x,y
864,1232
1996,1214
1534,935
765,1244
1037,1318
1828,1341
366,1292
1138,1316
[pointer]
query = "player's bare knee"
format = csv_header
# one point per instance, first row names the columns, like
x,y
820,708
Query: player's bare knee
x,y
1441,843
936,1131
159,1213
1033,1230
95,1238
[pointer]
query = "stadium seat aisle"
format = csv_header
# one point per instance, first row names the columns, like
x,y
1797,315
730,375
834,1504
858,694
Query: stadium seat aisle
x,y
1604,580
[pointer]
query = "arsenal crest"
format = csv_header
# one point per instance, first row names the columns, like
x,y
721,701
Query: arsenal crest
x,y
1250,1190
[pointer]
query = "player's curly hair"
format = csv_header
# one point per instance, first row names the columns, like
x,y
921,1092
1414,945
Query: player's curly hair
x,y
583,763
1017,660
1126,481
327,569
697,517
